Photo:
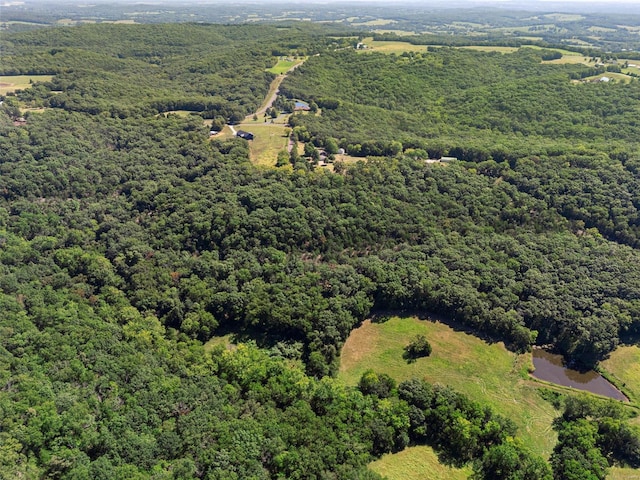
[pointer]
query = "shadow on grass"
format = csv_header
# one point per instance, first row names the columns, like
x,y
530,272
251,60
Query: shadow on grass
x,y
409,358
284,345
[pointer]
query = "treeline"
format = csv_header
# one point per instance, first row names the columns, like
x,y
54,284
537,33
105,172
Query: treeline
x,y
524,130
97,390
548,43
491,39
192,234
137,235
593,434
249,248
124,70
457,97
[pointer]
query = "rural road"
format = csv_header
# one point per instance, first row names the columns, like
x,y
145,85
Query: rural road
x,y
274,90
272,98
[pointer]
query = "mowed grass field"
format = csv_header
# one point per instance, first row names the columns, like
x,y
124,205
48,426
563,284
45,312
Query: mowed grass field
x,y
391,47
566,59
401,47
487,373
284,65
417,463
624,366
398,47
618,77
623,474
268,139
11,83
490,48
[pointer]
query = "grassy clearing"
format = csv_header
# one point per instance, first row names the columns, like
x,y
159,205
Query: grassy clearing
x,y
18,22
269,140
11,83
284,65
416,463
224,134
489,48
225,341
618,77
183,113
569,59
624,366
391,47
398,47
488,373
121,22
527,29
633,66
564,17
402,33
374,23
623,474
601,29
566,53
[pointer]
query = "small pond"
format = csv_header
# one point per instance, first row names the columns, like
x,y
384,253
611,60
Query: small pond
x,y
550,368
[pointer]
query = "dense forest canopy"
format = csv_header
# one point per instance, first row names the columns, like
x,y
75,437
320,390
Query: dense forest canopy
x,y
128,238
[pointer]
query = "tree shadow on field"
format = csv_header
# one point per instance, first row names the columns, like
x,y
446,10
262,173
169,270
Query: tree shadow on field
x,y
409,358
287,346
631,338
382,316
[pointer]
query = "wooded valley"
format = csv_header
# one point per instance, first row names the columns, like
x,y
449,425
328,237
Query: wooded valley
x,y
131,239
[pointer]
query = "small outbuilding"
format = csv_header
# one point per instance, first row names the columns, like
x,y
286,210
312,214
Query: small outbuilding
x,y
245,135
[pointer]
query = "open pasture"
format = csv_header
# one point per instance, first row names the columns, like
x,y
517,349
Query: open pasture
x,y
284,65
564,17
391,46
11,83
487,373
617,473
490,48
597,29
417,463
399,47
378,22
633,66
623,366
616,77
403,33
269,140
569,59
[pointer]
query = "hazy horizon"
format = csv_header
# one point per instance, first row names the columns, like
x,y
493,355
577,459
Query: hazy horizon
x,y
569,6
